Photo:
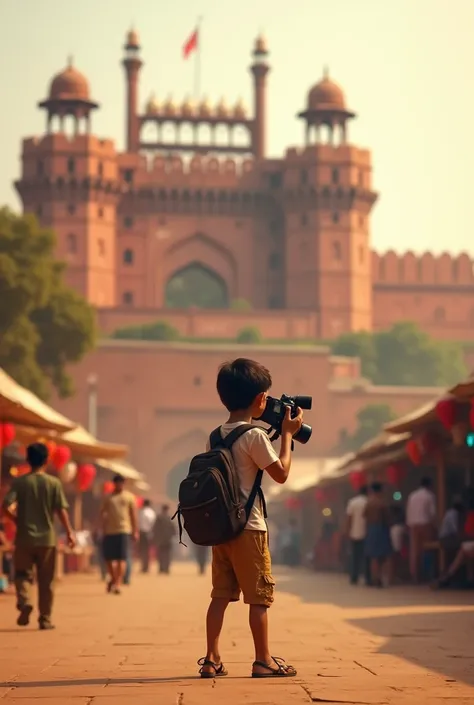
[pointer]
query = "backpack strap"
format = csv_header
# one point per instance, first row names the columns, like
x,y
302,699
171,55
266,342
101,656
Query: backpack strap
x,y
216,440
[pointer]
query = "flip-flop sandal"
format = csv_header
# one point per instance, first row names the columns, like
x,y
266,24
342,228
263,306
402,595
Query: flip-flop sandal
x,y
218,671
282,670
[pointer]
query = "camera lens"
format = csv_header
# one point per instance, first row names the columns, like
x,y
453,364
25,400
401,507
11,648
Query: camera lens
x,y
304,434
303,401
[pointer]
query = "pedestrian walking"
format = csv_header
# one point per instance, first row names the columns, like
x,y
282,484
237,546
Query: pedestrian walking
x,y
39,498
202,558
356,529
421,521
164,533
119,521
146,522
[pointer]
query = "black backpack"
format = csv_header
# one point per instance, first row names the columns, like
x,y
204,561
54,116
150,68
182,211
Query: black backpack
x,y
210,501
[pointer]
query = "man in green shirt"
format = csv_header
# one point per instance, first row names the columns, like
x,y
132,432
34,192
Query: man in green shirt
x,y
39,498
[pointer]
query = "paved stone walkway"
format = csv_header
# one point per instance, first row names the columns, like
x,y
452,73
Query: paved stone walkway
x,y
350,645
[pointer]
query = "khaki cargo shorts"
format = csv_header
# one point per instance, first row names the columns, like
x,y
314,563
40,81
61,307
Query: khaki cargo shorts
x,y
243,565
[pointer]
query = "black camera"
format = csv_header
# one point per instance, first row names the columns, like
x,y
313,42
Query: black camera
x,y
275,410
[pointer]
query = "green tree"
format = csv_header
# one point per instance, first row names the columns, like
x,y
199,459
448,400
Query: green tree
x,y
249,335
44,325
358,345
159,330
370,422
404,355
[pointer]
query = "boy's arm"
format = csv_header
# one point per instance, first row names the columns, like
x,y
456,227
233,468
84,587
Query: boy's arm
x,y
280,469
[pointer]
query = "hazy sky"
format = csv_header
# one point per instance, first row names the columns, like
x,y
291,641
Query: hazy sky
x,y
405,65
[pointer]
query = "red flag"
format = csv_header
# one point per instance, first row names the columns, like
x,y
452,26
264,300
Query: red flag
x,y
191,44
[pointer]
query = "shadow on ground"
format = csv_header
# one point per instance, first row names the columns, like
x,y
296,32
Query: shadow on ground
x,y
438,636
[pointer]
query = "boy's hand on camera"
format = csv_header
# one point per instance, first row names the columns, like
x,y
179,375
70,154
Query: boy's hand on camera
x,y
290,425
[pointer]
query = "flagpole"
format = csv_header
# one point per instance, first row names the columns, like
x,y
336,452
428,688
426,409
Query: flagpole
x,y
197,63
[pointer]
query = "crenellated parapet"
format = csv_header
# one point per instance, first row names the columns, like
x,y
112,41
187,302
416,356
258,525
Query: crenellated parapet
x,y
392,269
197,172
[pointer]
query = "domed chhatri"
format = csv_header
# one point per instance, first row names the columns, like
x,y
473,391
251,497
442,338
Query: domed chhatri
x,y
240,111
69,84
188,108
261,46
133,40
326,95
222,109
170,108
153,106
205,108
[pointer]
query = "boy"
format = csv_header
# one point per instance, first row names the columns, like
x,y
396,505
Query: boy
x,y
243,564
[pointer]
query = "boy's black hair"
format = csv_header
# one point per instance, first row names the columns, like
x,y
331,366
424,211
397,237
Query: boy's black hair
x,y
376,487
118,479
426,482
37,455
240,381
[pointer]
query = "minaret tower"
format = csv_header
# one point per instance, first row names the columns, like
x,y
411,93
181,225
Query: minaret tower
x,y
69,181
260,69
132,64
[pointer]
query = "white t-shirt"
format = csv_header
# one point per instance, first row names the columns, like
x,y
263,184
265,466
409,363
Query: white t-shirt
x,y
421,507
251,452
355,510
146,519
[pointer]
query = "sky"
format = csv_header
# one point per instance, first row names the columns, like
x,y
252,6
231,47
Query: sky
x,y
405,66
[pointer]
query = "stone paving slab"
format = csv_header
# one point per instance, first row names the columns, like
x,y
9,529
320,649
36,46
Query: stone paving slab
x,y
350,645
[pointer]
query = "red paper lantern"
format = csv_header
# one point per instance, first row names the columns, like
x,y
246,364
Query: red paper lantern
x,y
429,442
395,474
108,487
446,411
139,502
471,414
357,480
60,457
413,451
51,446
85,476
7,434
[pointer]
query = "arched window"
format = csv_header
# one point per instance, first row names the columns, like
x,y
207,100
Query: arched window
x,y
40,167
196,285
304,220
128,256
71,244
128,221
361,254
100,170
71,166
101,247
439,314
337,251
71,209
335,218
335,176
100,212
127,298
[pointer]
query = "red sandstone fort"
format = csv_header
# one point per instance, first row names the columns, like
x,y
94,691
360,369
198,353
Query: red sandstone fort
x,y
194,218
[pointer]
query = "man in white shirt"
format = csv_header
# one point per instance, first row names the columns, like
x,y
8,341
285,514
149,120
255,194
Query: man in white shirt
x,y
146,522
356,531
421,521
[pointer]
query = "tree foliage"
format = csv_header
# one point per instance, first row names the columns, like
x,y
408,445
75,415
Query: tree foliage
x,y
250,334
370,422
44,325
404,355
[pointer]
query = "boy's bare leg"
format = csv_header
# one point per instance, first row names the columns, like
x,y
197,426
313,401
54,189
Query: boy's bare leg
x,y
110,570
119,573
258,620
214,622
